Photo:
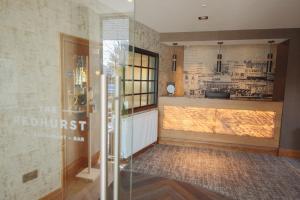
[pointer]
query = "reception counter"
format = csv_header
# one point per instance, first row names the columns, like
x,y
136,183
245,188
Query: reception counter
x,y
193,121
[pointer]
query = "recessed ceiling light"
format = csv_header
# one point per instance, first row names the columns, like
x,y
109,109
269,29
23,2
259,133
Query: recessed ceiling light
x,y
203,5
203,18
130,1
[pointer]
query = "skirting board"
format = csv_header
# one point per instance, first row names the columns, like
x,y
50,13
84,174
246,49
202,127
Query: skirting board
x,y
288,153
76,166
55,195
226,146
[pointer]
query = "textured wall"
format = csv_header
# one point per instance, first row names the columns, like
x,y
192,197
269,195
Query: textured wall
x,y
290,131
146,38
30,91
165,73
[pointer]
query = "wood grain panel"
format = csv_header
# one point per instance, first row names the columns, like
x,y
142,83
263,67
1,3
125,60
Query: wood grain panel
x,y
289,153
55,195
145,187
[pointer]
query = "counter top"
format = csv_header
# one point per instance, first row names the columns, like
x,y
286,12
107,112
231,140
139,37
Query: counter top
x,y
221,103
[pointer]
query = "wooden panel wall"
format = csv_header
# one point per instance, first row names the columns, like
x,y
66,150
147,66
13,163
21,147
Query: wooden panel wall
x,y
280,73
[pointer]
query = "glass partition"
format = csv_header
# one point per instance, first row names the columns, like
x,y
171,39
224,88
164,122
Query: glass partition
x,y
52,55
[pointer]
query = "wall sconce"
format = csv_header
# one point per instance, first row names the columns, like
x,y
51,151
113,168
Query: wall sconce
x,y
174,59
174,62
219,58
270,57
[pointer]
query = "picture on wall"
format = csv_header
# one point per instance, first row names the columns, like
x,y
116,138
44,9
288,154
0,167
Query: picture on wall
x,y
230,71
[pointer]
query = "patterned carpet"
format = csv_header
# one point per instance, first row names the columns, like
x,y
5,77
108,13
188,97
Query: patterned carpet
x,y
237,175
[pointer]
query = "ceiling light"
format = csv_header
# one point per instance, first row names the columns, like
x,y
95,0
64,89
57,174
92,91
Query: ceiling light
x,y
202,18
130,1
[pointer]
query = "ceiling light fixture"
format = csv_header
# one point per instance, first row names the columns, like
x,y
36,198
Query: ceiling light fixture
x,y
202,18
130,1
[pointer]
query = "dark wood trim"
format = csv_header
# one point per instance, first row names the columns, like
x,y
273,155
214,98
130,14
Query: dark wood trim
x,y
280,71
54,195
143,51
288,153
286,33
143,108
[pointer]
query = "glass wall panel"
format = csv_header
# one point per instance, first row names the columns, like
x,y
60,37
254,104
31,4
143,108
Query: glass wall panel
x,y
52,54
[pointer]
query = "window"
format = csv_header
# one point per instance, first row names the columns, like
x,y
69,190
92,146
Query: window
x,y
140,80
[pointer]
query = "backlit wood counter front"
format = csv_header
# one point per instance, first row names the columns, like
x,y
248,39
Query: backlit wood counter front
x,y
194,121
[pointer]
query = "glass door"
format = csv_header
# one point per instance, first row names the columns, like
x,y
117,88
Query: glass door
x,y
61,109
115,177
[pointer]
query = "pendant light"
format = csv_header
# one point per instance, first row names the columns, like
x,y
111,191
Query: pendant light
x,y
174,58
270,57
219,58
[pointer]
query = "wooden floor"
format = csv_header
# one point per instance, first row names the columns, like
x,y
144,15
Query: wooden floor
x,y
146,187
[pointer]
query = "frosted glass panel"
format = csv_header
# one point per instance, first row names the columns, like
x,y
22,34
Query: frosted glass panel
x,y
145,61
144,74
144,87
137,87
151,74
136,101
144,100
137,59
137,73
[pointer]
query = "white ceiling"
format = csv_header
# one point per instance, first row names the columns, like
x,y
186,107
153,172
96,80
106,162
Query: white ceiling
x,y
182,15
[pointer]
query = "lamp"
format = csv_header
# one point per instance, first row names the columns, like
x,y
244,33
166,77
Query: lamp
x,y
219,58
270,57
174,59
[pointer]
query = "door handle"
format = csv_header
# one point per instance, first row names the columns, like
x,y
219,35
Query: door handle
x,y
103,142
117,137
